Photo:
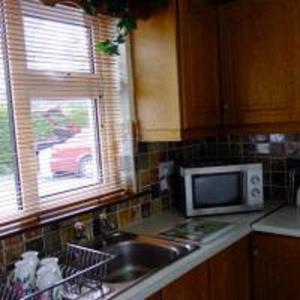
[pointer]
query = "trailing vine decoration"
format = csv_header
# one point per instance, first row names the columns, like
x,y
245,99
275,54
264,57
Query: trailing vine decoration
x,y
124,27
129,12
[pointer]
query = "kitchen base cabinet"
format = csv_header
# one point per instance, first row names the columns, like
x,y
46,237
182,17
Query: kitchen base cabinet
x,y
276,265
156,296
230,273
192,286
224,277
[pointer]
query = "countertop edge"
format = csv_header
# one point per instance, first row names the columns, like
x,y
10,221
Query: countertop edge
x,y
284,221
278,231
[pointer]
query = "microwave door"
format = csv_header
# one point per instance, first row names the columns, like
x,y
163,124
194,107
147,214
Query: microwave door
x,y
215,192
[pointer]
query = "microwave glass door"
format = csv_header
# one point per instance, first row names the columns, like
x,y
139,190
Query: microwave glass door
x,y
217,190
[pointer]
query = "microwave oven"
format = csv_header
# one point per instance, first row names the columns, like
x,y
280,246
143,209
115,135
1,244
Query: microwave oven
x,y
220,189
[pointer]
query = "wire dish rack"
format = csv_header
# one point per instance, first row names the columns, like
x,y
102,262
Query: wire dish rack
x,y
83,272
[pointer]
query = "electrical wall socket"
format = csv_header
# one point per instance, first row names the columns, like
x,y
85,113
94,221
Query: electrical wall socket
x,y
166,169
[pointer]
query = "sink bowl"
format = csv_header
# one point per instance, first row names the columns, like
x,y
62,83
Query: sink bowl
x,y
135,259
138,256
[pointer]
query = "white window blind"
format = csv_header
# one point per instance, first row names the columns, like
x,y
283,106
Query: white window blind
x,y
61,125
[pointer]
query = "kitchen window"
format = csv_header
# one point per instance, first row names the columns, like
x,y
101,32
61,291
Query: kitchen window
x,y
62,128
8,169
66,139
52,45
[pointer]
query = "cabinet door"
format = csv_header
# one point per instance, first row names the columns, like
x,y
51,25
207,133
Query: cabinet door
x,y
258,52
156,296
230,273
198,55
276,265
192,286
156,82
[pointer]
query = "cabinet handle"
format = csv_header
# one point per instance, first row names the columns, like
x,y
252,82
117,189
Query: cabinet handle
x,y
255,252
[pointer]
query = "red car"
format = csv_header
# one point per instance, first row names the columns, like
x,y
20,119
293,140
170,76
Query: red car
x,y
73,157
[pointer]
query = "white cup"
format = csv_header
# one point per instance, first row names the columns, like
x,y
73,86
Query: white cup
x,y
31,257
48,275
22,279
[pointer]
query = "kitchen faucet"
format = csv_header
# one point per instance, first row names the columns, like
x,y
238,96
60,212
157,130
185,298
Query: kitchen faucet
x,y
102,227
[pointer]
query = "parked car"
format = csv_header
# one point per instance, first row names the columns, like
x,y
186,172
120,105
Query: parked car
x,y
73,157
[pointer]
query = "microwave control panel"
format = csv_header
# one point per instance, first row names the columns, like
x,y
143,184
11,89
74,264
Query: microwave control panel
x,y
255,186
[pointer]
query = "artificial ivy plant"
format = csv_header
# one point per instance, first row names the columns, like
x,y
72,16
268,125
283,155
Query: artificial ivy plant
x,y
129,12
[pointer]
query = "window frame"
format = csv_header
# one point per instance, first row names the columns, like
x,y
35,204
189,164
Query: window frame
x,y
24,136
11,122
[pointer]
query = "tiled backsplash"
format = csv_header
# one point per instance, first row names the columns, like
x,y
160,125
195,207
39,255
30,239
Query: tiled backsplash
x,y
271,150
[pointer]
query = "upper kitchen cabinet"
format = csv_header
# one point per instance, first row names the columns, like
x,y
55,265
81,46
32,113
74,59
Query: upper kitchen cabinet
x,y
175,61
259,46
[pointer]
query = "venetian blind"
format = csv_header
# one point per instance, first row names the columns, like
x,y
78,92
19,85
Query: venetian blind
x,y
61,123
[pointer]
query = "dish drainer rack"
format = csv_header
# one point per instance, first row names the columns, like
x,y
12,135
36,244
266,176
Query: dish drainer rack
x,y
83,272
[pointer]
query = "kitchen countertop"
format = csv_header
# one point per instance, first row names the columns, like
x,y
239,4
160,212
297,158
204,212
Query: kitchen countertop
x,y
154,225
285,221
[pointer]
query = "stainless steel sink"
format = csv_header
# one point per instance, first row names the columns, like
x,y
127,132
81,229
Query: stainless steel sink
x,y
138,256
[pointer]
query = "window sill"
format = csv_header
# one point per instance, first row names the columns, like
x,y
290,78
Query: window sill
x,y
62,213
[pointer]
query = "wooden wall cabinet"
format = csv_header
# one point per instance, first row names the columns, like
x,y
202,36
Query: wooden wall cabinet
x,y
201,69
276,265
175,63
259,46
224,277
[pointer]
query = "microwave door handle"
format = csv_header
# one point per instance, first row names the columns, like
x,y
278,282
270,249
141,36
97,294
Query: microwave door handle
x,y
242,184
296,185
291,186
